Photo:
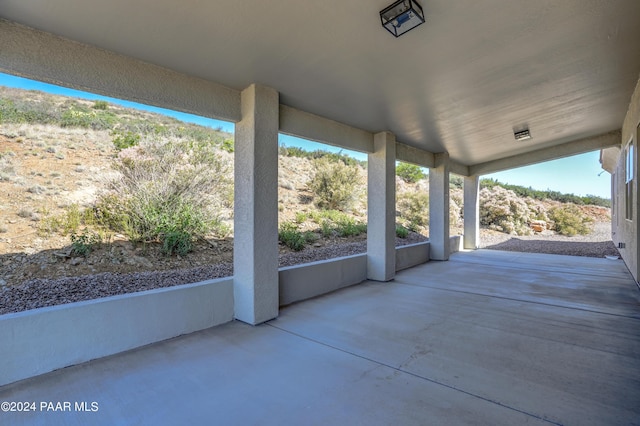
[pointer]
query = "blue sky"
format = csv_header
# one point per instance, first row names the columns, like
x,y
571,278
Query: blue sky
x,y
580,174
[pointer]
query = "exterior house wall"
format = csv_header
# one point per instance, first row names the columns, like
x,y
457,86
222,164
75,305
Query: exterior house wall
x,y
624,230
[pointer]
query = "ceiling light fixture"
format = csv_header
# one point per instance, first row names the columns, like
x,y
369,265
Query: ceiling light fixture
x,y
401,16
522,135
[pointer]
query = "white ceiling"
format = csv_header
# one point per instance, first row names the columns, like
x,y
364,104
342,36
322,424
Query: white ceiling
x,y
459,83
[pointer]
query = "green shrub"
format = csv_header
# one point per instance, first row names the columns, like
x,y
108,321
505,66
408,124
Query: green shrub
x,y
172,222
337,157
456,181
68,222
455,207
291,237
72,219
227,145
295,151
166,192
124,140
336,222
348,227
547,195
327,215
401,231
538,209
336,185
8,112
301,217
413,210
178,242
410,173
78,116
326,228
310,237
20,111
502,210
73,117
49,225
193,132
569,220
82,244
101,105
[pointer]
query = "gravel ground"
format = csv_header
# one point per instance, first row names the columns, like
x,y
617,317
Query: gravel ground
x,y
596,244
347,249
38,293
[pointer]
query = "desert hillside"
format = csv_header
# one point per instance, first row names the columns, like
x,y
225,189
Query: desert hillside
x,y
89,187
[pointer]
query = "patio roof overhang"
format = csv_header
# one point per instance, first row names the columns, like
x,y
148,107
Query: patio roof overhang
x,y
461,83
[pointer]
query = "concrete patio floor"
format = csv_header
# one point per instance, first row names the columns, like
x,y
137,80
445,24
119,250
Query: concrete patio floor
x,y
488,338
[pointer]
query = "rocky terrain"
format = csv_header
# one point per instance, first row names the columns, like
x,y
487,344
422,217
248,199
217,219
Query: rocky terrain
x,y
48,169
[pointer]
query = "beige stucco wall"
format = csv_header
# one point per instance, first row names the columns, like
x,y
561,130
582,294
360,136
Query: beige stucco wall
x,y
624,230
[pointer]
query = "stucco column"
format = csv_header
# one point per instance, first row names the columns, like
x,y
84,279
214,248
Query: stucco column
x,y
381,211
439,245
471,212
255,246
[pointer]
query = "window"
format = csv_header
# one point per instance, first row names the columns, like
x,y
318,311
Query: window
x,y
629,174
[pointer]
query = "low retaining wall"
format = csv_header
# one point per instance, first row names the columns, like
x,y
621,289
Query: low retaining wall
x,y
305,281
411,255
42,340
455,244
301,282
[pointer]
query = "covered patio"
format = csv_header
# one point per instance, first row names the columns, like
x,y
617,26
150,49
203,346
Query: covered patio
x,y
485,338
489,337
